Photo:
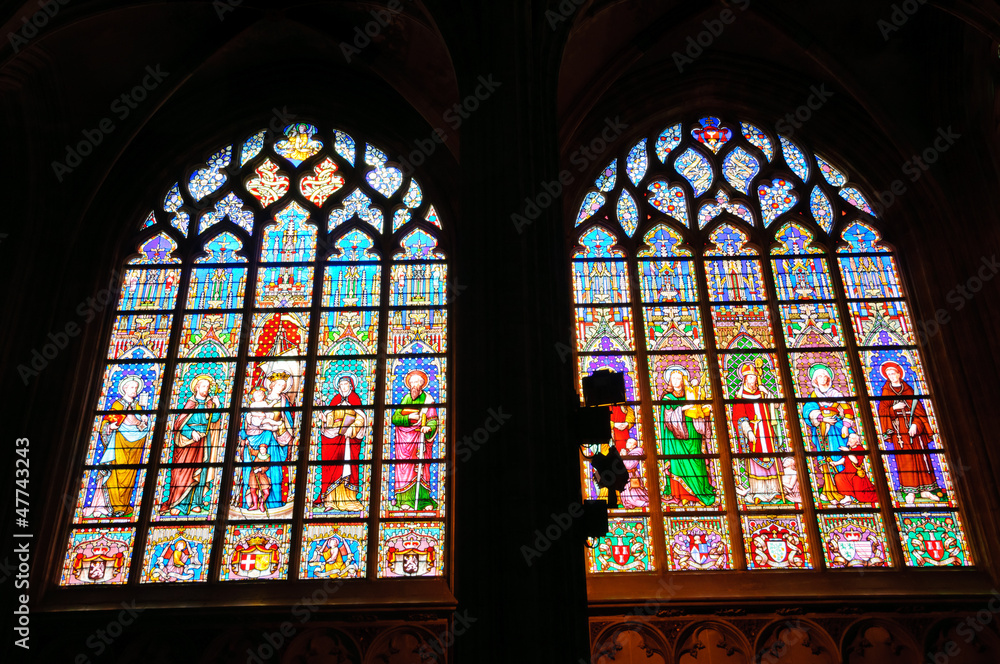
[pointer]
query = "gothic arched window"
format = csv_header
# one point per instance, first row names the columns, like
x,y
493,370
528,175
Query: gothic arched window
x,y
778,413
272,403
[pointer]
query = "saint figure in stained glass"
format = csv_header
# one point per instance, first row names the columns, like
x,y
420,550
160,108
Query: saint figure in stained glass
x,y
341,436
415,428
905,426
193,434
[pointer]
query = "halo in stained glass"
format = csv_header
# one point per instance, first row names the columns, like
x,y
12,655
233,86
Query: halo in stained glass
x,y
206,180
795,158
711,133
598,242
757,138
606,180
829,173
637,162
299,144
592,202
668,200
669,139
357,204
252,147
696,169
344,145
776,199
739,167
156,250
414,195
854,196
821,208
628,213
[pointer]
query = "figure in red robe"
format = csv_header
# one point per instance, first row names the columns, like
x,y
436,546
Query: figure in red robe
x,y
753,422
341,442
905,427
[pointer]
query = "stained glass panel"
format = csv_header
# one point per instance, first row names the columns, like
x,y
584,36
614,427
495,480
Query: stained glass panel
x,y
933,539
147,290
668,200
673,328
592,202
822,374
187,493
627,547
637,162
675,377
322,183
750,323
854,196
217,287
97,556
206,180
870,276
776,199
795,158
882,323
854,540
351,332
757,138
274,334
919,480
739,168
690,484
299,144
177,555
766,483
776,542
683,428
252,147
696,169
595,325
355,376
628,213
418,284
811,325
757,427
669,139
111,493
710,133
735,281
893,373
338,490
140,336
697,543
230,206
840,482
667,281
284,286
267,184
411,549
600,282
334,551
821,208
832,175
179,444
255,552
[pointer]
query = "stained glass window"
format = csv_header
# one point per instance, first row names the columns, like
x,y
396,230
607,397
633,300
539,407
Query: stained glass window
x,y
274,400
778,414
